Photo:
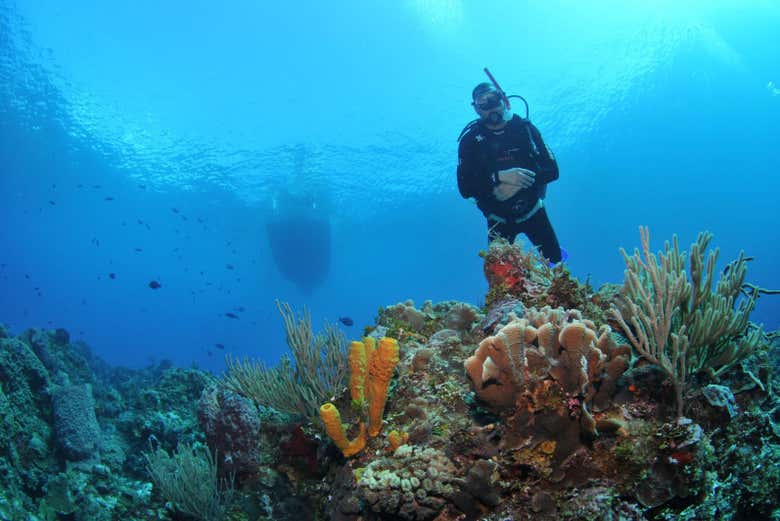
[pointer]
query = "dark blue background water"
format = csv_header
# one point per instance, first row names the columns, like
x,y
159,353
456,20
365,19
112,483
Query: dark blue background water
x,y
196,119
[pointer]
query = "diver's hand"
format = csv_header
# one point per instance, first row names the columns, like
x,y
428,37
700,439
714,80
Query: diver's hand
x,y
517,177
504,191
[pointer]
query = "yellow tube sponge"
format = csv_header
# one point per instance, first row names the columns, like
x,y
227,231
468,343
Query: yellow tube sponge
x,y
370,344
332,420
383,363
358,373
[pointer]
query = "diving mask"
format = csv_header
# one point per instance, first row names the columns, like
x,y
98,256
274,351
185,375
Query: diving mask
x,y
488,101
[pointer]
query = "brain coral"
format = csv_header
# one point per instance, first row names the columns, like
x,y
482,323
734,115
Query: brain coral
x,y
412,484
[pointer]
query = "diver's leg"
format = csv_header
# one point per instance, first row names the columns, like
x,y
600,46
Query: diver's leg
x,y
541,234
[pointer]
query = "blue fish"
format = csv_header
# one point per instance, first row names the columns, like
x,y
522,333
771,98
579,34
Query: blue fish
x,y
346,321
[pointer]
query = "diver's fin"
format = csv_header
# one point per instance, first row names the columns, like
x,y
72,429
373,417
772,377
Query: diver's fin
x,y
564,257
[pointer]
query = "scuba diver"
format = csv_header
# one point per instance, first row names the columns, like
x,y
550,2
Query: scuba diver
x,y
504,164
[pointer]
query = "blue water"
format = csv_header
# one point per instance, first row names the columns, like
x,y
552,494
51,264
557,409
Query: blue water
x,y
195,119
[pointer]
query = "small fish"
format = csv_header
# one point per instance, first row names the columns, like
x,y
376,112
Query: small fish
x,y
155,285
109,198
175,210
229,266
142,187
346,321
112,275
139,249
231,315
97,186
26,276
219,346
52,203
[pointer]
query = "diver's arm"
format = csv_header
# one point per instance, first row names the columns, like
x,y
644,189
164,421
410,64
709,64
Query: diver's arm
x,y
548,166
473,181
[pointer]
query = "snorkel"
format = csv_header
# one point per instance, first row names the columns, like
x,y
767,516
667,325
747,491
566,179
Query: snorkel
x,y
499,89
504,97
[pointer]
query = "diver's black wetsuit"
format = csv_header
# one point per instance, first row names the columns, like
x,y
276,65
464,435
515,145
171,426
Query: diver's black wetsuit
x,y
482,153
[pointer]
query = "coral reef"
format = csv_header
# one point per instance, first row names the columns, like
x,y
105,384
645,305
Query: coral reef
x,y
551,402
74,429
512,273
